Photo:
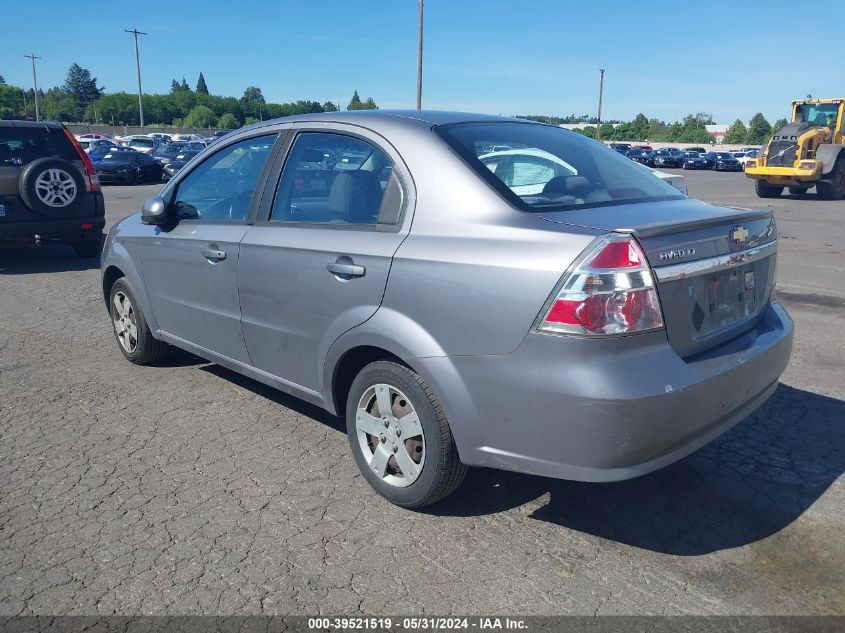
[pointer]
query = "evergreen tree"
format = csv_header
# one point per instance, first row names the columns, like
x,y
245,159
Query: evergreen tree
x,y
759,130
201,87
355,102
82,89
328,106
737,133
2,81
778,124
174,86
370,104
184,85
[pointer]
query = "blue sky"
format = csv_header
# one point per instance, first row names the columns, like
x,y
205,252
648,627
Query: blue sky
x,y
665,59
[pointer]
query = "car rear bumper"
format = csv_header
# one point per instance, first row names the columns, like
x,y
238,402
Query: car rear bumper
x,y
601,410
68,230
107,179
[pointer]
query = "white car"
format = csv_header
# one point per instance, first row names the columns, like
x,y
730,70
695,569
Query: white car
x,y
743,160
528,170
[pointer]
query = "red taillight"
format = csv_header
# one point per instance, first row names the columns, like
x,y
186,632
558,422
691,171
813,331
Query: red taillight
x,y
86,227
93,180
610,292
617,255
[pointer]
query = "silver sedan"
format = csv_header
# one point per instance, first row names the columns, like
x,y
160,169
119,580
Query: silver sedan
x,y
464,290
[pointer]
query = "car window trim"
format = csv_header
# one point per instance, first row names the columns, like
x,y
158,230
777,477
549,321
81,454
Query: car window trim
x,y
345,129
249,218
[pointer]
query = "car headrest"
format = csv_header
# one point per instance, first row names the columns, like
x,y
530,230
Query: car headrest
x,y
571,185
356,195
311,156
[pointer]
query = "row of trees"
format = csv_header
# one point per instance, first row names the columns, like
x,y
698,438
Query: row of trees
x,y
691,129
81,100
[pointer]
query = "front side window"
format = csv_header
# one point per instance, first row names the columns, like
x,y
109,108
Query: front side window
x,y
331,178
551,168
221,187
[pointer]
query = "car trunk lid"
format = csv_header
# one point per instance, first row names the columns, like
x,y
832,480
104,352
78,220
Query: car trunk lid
x,y
714,266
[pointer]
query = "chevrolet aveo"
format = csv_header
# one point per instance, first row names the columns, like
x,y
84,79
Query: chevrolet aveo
x,y
558,311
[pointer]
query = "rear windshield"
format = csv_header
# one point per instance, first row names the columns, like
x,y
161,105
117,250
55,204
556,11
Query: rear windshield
x,y
549,168
22,145
141,142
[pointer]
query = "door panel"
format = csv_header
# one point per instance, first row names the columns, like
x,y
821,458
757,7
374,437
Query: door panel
x,y
317,262
193,296
293,308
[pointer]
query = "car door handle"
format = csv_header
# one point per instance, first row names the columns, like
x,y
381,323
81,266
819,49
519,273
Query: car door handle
x,y
351,270
217,256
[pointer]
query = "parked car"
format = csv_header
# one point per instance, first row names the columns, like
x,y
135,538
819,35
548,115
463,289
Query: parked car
x,y
676,180
622,148
700,150
144,144
49,191
709,158
693,160
170,151
641,156
89,144
161,136
96,154
725,161
597,331
665,158
94,137
128,168
174,166
743,160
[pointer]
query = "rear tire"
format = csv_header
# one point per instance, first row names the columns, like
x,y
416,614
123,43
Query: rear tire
x,y
765,190
131,331
833,188
797,191
91,248
376,444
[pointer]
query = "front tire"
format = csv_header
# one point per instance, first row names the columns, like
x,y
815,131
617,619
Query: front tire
x,y
833,188
400,437
131,331
765,190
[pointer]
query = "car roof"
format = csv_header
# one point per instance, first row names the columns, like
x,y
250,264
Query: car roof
x,y
375,118
14,123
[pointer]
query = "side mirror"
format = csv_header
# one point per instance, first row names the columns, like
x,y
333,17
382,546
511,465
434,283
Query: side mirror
x,y
154,211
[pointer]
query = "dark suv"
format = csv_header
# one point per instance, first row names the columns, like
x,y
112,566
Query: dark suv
x,y
48,188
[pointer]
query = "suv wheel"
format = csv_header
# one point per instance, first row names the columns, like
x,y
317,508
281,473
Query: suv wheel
x,y
51,187
91,248
133,335
400,437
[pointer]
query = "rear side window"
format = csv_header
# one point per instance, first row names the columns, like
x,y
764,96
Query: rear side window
x,y
545,168
331,178
22,145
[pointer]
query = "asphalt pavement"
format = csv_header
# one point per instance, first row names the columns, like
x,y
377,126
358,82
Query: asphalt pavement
x,y
185,488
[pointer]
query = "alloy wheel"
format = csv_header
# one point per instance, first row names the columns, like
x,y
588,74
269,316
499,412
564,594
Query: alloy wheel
x,y
55,187
125,325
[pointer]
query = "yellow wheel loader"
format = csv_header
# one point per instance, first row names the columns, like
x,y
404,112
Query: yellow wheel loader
x,y
808,152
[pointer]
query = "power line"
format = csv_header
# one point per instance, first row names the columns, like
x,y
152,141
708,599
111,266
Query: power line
x,y
136,33
33,57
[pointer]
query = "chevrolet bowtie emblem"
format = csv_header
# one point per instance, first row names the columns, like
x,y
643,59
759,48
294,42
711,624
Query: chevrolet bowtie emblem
x,y
739,234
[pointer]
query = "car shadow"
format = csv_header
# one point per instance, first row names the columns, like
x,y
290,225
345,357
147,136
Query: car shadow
x,y
282,399
744,486
46,258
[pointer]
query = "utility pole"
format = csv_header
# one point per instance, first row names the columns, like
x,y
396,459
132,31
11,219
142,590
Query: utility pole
x,y
33,57
136,33
419,55
601,92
